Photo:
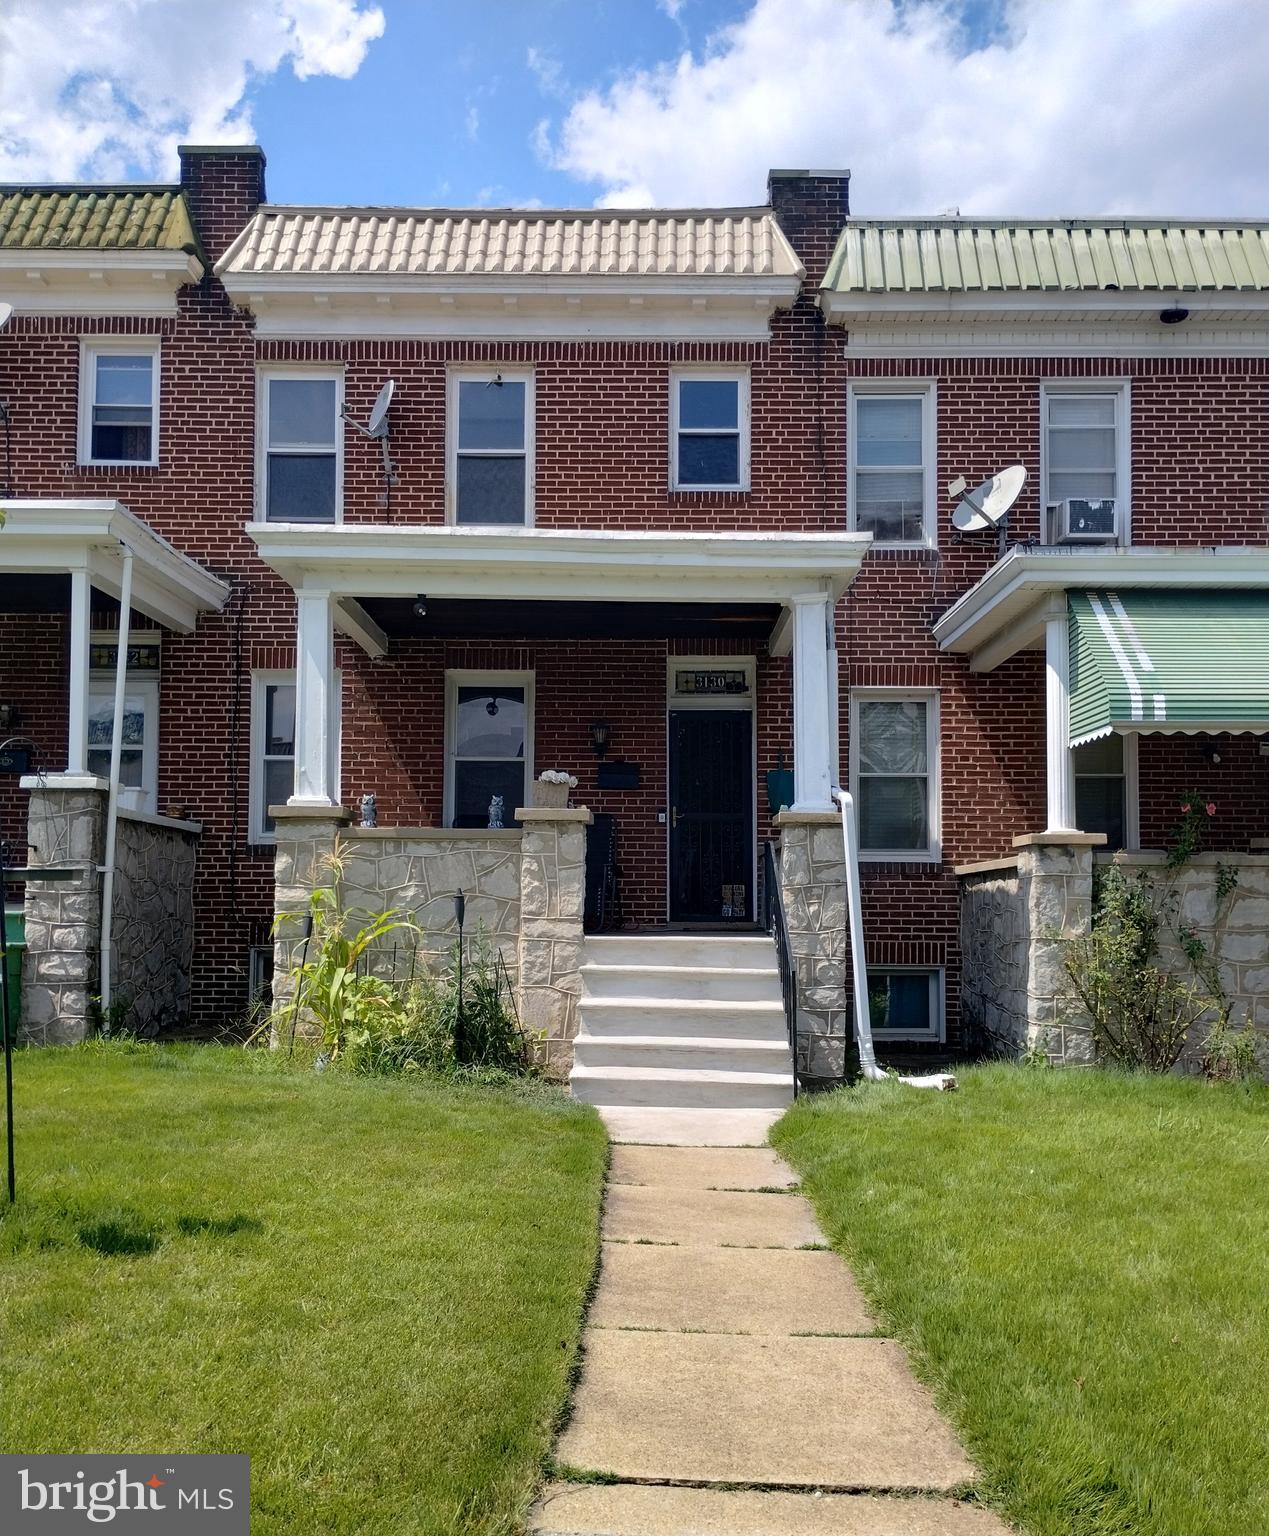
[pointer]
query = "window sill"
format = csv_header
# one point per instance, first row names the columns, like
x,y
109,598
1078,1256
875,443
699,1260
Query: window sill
x,y
113,466
710,490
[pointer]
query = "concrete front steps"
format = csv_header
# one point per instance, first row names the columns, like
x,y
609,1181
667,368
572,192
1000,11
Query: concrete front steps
x,y
678,1032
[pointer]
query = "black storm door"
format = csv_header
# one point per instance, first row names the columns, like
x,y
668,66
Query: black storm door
x,y
711,816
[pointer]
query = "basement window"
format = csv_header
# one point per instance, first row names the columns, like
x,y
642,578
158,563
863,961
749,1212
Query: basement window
x,y
906,1004
119,400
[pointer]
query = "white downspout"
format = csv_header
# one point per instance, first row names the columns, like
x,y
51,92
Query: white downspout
x,y
112,799
858,965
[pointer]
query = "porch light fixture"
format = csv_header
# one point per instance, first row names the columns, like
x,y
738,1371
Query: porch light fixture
x,y
10,719
600,731
420,606
1174,314
1211,752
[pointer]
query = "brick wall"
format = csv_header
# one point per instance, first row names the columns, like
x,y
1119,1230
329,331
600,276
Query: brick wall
x,y
602,427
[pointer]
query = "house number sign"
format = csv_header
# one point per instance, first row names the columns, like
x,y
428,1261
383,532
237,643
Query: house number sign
x,y
695,682
141,658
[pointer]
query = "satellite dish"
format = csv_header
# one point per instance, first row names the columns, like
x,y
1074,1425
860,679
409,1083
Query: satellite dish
x,y
988,504
378,423
6,311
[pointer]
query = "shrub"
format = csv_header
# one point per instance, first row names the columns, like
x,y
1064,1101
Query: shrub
x,y
1140,1014
1230,1055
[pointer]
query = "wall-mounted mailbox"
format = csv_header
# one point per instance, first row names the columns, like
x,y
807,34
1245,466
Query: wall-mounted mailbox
x,y
15,760
618,775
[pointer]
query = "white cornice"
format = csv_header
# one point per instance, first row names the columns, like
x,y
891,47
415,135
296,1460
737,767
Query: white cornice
x,y
95,282
381,560
436,307
50,537
1027,578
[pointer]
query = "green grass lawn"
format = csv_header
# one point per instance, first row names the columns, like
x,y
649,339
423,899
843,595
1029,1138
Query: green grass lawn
x,y
1079,1265
375,1288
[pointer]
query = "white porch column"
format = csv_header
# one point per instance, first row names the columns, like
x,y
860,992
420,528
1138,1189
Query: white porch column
x,y
314,698
812,731
1057,672
77,710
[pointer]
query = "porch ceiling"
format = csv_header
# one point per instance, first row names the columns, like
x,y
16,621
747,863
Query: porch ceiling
x,y
1006,611
42,541
464,619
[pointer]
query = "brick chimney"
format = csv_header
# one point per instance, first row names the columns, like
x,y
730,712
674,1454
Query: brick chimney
x,y
225,185
810,207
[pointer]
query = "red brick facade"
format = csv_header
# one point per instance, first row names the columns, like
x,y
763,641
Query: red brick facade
x,y
602,427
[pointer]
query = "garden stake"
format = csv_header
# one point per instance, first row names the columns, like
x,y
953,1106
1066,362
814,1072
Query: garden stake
x,y
460,1042
8,1039
295,1007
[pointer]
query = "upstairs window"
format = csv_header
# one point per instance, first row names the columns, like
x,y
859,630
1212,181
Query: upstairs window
x,y
119,401
891,482
709,431
894,774
491,463
1085,459
301,437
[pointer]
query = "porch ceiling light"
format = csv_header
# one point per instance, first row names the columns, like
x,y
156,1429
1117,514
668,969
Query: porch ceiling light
x,y
420,606
600,731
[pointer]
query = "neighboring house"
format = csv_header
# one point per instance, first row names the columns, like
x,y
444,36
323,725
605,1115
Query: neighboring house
x,y
663,504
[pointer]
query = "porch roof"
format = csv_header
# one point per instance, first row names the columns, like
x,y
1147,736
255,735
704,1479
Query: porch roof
x,y
47,539
1007,610
1168,661
740,572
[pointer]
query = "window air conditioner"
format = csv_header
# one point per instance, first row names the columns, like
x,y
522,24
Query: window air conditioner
x,y
1080,521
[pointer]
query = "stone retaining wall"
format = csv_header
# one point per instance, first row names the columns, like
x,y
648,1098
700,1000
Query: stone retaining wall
x,y
813,887
524,886
153,924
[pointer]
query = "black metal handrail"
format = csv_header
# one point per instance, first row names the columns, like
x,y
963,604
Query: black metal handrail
x,y
776,925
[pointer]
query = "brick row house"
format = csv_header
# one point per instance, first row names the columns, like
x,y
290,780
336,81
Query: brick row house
x,y
416,504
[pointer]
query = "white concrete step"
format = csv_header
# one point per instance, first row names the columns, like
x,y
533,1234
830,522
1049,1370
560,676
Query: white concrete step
x,y
713,950
748,983
718,1053
683,1088
762,1020
656,1126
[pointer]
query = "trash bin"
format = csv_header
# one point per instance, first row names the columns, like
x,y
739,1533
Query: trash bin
x,y
15,941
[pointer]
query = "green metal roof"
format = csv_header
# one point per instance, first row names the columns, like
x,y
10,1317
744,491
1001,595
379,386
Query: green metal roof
x,y
1157,660
95,219
985,256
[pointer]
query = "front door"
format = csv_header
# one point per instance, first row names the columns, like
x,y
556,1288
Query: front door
x,y
711,816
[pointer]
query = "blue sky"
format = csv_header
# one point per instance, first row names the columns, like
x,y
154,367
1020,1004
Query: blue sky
x,y
1055,108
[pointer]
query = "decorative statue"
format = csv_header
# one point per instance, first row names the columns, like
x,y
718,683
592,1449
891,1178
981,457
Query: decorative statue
x,y
495,814
369,811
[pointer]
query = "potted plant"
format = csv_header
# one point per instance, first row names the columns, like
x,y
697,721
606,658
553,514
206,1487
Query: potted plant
x,y
553,787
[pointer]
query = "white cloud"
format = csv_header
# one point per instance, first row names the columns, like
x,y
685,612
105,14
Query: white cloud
x,y
104,89
1140,105
547,70
472,123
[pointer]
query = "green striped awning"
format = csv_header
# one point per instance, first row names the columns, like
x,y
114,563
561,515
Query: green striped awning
x,y
1150,659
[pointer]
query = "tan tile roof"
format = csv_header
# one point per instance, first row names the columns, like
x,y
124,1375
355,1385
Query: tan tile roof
x,y
95,218
980,256
736,242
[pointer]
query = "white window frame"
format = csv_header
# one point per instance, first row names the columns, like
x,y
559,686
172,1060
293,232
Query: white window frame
x,y
264,374
932,853
481,678
1121,390
1132,801
938,1002
101,685
926,390
485,374
90,349
256,806
737,376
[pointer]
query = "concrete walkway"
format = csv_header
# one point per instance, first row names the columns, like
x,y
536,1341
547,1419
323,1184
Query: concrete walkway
x,y
733,1381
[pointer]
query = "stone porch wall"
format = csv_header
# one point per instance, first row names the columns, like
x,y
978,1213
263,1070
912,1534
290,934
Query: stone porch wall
x,y
813,888
525,886
1015,916
153,922
1234,927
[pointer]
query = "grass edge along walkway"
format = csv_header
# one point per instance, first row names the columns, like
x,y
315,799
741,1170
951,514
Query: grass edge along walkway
x,y
375,1288
1078,1264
